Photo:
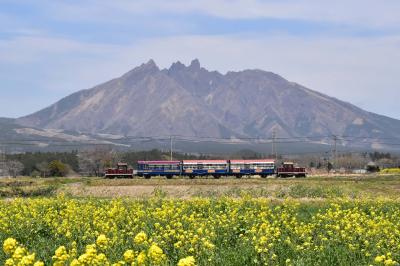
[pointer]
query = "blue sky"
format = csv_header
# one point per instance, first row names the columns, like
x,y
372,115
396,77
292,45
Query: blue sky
x,y
347,49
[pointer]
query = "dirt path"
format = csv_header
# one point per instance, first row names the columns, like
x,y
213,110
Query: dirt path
x,y
174,191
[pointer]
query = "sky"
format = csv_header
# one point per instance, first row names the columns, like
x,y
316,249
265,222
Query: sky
x,y
348,49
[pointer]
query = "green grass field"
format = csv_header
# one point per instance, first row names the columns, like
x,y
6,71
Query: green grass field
x,y
311,187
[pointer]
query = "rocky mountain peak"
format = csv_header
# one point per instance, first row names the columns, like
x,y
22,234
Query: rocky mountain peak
x,y
195,64
141,71
192,101
177,66
149,66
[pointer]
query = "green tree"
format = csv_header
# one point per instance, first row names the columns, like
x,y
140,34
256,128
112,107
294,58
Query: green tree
x,y
57,168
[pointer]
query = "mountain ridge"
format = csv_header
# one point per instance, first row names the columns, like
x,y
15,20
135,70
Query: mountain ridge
x,y
190,100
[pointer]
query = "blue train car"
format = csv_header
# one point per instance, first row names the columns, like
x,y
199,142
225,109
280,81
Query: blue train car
x,y
215,168
263,168
169,169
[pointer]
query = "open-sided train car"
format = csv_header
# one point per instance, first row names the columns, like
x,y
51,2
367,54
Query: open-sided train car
x,y
263,168
169,169
215,168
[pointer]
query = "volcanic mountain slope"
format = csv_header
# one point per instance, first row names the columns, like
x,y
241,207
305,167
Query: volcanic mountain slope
x,y
192,101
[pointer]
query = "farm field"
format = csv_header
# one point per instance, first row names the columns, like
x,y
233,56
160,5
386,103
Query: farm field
x,y
317,187
312,221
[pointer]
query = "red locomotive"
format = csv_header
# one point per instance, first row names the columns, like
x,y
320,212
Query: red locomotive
x,y
289,169
122,171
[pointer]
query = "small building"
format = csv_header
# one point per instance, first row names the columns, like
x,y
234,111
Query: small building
x,y
372,167
359,171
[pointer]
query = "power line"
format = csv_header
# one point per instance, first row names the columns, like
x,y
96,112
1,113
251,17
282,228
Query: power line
x,y
143,139
162,137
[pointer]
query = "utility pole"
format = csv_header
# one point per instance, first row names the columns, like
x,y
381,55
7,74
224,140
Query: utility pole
x,y
2,160
170,139
274,151
334,151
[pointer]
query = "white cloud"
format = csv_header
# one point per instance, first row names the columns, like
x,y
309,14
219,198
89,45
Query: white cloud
x,y
366,13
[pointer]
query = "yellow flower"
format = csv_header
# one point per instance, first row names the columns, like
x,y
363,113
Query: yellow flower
x,y
39,263
380,258
102,241
188,261
141,258
10,262
390,262
129,256
9,245
27,260
156,254
140,238
19,253
101,259
60,256
75,262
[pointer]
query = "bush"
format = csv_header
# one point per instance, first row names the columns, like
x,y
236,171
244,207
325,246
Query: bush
x,y
391,171
57,168
35,173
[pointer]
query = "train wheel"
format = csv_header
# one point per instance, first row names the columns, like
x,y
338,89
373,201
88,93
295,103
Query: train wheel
x,y
147,176
169,176
238,176
191,176
216,176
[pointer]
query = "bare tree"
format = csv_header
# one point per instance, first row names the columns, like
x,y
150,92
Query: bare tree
x,y
43,168
14,168
3,169
92,162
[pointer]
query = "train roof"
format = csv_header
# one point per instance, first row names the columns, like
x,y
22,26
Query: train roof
x,y
158,162
205,161
253,161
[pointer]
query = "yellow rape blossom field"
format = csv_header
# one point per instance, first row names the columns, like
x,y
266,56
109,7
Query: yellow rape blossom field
x,y
63,230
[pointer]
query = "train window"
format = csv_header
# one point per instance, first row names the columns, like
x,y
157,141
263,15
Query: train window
x,y
189,166
217,166
237,166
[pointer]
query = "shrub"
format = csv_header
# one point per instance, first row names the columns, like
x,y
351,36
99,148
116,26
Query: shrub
x,y
57,168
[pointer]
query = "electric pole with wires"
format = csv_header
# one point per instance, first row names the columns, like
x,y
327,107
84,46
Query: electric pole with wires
x,y
334,151
170,139
274,150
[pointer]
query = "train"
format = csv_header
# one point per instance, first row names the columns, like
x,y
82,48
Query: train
x,y
214,168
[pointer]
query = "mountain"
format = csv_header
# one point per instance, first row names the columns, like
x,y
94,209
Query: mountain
x,y
192,101
17,138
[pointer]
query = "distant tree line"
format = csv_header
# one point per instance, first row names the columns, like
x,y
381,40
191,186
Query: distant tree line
x,y
92,162
44,163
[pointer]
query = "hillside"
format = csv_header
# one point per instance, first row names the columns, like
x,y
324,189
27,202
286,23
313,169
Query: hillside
x,y
192,101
